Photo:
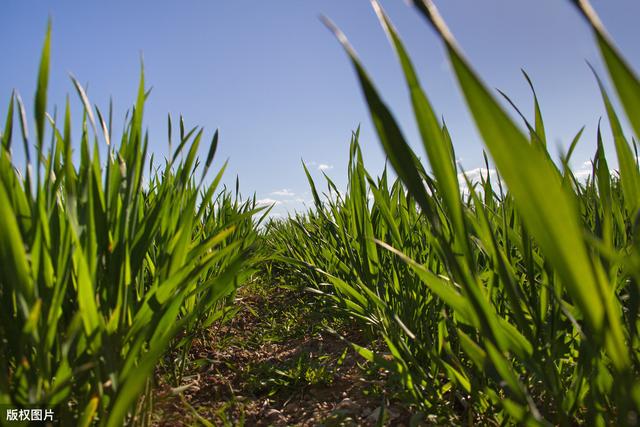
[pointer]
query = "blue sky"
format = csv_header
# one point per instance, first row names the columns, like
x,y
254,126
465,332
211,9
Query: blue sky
x,y
279,87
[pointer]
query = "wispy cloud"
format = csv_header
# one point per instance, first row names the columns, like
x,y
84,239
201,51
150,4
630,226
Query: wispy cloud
x,y
267,202
475,176
584,171
582,174
285,192
324,167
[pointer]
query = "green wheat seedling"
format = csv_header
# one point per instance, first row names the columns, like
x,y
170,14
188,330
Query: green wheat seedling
x,y
103,264
512,300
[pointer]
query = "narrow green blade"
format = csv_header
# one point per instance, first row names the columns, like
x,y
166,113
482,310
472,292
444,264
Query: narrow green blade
x,y
546,209
624,78
41,91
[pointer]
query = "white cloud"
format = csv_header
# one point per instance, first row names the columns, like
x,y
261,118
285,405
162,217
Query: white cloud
x,y
285,192
324,167
267,202
582,174
475,176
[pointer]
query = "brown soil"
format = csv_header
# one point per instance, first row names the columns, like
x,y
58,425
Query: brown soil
x,y
271,364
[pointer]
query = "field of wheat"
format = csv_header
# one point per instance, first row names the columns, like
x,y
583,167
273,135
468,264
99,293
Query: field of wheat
x,y
513,298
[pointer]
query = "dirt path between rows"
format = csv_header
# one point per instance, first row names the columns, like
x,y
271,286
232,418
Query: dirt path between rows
x,y
275,363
